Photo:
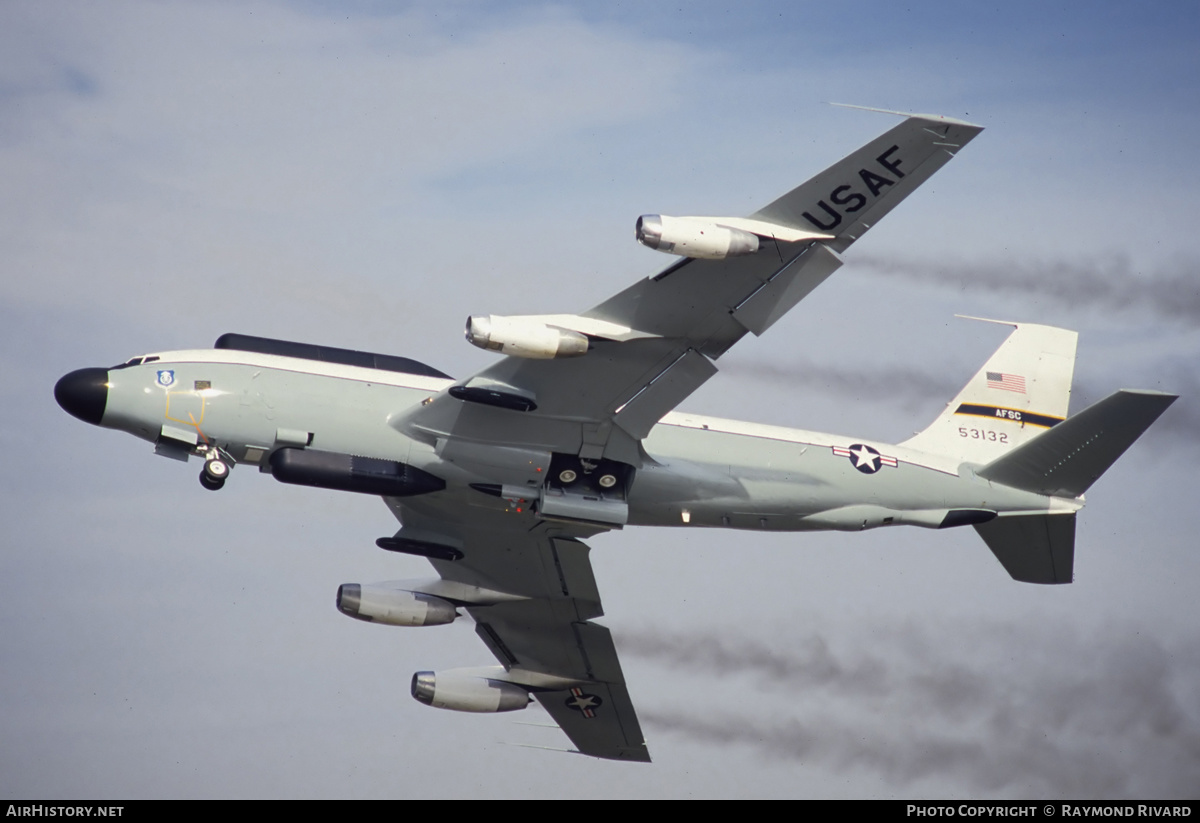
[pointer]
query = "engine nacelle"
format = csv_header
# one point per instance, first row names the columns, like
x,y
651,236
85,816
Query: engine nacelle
x,y
693,237
524,337
393,607
465,691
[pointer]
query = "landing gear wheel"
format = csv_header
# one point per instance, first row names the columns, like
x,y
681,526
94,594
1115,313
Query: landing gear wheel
x,y
567,476
211,484
608,481
214,474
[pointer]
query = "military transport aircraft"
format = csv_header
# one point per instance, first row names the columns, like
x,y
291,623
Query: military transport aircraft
x,y
497,477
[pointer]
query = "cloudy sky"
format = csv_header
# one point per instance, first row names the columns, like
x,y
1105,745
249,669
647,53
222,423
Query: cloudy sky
x,y
367,174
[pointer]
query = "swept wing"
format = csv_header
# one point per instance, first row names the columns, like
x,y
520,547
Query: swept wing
x,y
599,407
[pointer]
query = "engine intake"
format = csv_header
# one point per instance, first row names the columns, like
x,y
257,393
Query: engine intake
x,y
460,691
524,337
693,237
393,607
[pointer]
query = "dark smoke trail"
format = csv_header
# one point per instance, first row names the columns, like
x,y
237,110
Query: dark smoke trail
x,y
1171,292
915,390
1103,721
906,386
807,663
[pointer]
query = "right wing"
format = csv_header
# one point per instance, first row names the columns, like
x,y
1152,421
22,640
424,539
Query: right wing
x,y
542,632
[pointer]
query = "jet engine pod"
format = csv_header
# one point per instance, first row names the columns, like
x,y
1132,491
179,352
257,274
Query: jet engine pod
x,y
393,607
524,337
464,691
693,237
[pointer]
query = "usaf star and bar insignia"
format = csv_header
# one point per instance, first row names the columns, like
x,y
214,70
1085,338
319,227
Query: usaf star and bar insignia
x,y
864,458
584,703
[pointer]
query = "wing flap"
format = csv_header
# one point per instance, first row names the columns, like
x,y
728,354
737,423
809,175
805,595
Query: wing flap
x,y
778,295
663,392
534,635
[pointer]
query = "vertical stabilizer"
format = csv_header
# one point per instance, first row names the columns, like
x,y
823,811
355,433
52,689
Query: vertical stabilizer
x,y
1022,390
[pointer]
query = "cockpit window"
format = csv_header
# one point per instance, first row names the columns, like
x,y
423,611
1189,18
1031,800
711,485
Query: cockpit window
x,y
135,361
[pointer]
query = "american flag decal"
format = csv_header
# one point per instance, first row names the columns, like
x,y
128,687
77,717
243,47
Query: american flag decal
x,y
1008,382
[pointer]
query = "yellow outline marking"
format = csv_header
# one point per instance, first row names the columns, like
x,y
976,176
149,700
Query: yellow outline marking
x,y
191,421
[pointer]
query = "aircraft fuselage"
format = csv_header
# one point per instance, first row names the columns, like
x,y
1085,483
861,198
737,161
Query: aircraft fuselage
x,y
701,471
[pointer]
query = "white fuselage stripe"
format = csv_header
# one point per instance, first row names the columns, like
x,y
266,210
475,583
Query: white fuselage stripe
x,y
297,365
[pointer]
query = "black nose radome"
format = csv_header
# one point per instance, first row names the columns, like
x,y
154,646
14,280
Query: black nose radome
x,y
84,394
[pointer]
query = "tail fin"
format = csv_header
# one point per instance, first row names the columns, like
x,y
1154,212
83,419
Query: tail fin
x,y
1063,461
1066,460
1022,390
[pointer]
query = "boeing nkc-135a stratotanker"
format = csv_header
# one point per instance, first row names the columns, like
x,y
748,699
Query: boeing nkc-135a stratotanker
x,y
498,477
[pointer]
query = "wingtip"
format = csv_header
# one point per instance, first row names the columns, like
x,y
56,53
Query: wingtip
x,y
936,118
1012,323
640,756
1167,397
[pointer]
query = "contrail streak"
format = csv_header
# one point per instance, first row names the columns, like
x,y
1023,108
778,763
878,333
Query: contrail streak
x,y
906,386
1105,722
1171,292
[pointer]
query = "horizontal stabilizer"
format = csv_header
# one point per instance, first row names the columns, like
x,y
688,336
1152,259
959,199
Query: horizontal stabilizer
x,y
1034,548
1067,459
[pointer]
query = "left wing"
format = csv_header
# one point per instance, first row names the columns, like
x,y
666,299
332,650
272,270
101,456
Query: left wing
x,y
682,319
541,632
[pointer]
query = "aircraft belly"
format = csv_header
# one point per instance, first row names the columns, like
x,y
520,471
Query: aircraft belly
x,y
775,484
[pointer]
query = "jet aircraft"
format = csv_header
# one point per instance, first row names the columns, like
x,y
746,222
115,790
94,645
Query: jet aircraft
x,y
497,478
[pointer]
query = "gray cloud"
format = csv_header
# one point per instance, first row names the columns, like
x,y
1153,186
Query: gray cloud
x,y
1171,291
1079,719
